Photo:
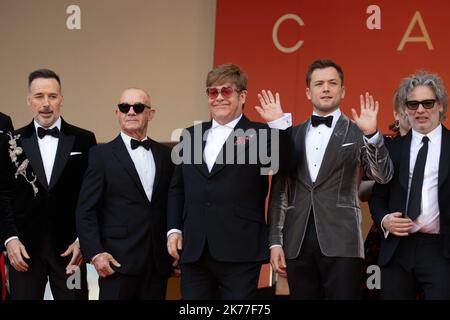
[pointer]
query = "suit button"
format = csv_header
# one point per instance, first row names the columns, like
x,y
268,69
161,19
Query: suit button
x,y
207,204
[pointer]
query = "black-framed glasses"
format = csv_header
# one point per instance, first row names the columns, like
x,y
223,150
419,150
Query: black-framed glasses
x,y
226,92
414,104
137,107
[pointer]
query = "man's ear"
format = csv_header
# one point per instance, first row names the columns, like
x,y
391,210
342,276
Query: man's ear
x,y
151,114
308,94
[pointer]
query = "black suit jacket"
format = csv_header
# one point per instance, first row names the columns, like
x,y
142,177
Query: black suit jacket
x,y
5,123
51,211
392,196
114,213
224,208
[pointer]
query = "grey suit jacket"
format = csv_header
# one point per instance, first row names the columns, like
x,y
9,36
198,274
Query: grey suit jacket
x,y
333,197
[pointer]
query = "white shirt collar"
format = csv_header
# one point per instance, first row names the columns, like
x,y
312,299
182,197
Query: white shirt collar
x,y
127,139
336,115
230,124
433,135
56,124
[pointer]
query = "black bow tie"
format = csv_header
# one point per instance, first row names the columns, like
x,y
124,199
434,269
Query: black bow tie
x,y
136,144
51,132
316,120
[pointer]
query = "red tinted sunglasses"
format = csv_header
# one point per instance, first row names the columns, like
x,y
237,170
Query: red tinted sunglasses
x,y
226,92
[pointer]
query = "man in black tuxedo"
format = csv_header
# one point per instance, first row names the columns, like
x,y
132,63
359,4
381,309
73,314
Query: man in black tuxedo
x,y
5,124
314,215
41,168
121,215
217,195
413,210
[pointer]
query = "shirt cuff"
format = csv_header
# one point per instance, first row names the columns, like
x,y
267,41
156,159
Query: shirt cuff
x,y
173,231
276,246
281,123
373,139
385,232
93,258
11,238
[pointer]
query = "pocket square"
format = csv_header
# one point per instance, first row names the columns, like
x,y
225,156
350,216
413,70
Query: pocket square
x,y
347,144
75,153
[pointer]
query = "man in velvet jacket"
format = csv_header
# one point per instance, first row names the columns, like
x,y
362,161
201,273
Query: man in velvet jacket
x,y
41,168
314,215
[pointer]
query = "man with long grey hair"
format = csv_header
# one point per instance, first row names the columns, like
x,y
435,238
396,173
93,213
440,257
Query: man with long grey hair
x,y
413,210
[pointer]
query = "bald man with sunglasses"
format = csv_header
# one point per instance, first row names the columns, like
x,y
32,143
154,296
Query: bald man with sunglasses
x,y
121,215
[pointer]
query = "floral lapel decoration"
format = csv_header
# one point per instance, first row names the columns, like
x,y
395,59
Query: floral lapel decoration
x,y
14,152
242,140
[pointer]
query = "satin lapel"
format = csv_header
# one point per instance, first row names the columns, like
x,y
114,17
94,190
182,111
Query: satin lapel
x,y
158,165
302,170
403,173
444,159
332,151
65,145
121,153
198,160
31,148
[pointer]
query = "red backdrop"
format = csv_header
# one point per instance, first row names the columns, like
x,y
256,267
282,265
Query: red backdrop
x,y
370,56
337,30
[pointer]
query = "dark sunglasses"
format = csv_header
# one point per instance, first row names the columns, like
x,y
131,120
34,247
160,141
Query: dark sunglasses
x,y
137,107
226,92
414,104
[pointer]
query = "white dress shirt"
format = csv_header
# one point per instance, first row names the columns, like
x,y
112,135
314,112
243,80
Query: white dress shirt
x,y
48,146
316,142
428,220
144,163
218,134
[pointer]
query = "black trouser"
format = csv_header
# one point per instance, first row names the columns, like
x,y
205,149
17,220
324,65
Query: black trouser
x,y
151,285
208,278
43,266
312,275
418,262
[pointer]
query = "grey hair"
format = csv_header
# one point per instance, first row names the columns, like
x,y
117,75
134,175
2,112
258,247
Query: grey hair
x,y
423,78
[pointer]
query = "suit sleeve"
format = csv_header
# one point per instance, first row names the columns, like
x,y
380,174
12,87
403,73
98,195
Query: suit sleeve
x,y
376,161
89,205
175,199
379,199
7,225
280,197
379,202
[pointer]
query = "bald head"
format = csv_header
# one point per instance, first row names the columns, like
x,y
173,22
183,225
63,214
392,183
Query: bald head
x,y
135,95
134,122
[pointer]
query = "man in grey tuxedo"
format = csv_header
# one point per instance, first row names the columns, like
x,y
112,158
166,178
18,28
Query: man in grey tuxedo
x,y
5,123
314,215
